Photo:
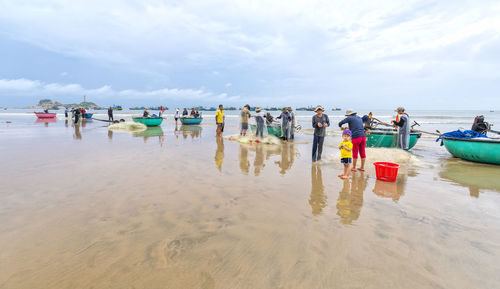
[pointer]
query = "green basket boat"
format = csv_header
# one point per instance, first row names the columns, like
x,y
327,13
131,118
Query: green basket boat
x,y
148,121
481,150
388,138
271,130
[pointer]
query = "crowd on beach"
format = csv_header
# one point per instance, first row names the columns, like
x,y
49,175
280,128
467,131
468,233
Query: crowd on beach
x,y
354,131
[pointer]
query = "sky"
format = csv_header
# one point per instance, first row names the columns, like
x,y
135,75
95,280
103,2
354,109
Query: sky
x,y
362,54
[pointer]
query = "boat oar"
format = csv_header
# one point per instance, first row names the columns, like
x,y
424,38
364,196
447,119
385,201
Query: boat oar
x,y
494,131
428,132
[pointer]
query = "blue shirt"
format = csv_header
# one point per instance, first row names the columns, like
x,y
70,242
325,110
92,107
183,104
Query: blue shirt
x,y
355,125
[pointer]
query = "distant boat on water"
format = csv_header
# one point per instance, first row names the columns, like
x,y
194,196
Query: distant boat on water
x,y
117,107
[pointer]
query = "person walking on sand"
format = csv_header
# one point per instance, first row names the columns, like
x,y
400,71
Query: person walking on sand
x,y
110,114
285,121
320,122
345,148
403,123
259,119
219,120
291,127
356,126
245,114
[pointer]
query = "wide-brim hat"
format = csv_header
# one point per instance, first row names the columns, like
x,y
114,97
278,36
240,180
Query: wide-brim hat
x,y
400,109
258,109
350,112
319,107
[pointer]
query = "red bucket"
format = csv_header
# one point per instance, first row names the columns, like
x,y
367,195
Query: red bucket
x,y
387,172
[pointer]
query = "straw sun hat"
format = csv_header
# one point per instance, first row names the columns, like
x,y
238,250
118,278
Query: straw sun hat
x,y
350,112
319,107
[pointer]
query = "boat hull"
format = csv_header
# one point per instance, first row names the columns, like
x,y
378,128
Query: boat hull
x,y
190,121
87,115
481,150
45,115
148,121
382,138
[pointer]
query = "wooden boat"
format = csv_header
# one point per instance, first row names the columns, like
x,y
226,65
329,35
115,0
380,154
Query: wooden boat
x,y
388,138
148,121
481,150
271,130
45,115
191,120
117,107
87,115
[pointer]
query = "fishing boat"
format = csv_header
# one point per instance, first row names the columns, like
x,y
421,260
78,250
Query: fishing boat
x,y
481,150
388,138
148,121
117,107
271,130
45,115
87,115
191,120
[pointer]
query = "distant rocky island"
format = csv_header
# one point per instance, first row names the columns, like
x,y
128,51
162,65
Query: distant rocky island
x,y
54,104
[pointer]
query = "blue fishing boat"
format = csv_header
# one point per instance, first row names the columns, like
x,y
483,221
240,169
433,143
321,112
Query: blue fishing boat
x,y
87,115
191,120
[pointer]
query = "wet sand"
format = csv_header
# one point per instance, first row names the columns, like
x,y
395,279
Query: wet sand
x,y
87,208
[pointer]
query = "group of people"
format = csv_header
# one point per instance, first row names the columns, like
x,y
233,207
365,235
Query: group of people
x,y
353,142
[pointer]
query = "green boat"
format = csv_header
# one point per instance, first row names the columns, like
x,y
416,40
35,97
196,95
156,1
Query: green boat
x,y
271,130
149,121
481,150
150,132
388,138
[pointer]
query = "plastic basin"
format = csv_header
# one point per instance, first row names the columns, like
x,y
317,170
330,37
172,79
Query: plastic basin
x,y
386,171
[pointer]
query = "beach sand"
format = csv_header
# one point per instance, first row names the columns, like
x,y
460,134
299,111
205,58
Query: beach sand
x,y
83,207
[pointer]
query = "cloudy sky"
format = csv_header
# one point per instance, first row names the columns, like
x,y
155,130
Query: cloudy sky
x,y
362,54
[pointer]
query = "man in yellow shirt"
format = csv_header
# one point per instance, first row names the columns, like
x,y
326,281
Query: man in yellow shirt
x,y
345,147
219,120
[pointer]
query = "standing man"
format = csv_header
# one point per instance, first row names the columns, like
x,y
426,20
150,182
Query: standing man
x,y
259,119
320,122
219,120
78,112
285,121
292,123
403,123
176,115
358,139
66,112
245,114
110,114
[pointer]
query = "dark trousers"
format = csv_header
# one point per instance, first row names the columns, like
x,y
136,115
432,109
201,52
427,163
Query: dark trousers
x,y
110,117
77,116
317,147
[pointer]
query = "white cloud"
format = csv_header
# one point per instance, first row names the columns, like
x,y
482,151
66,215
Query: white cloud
x,y
26,87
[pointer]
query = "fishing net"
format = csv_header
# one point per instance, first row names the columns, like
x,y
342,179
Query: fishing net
x,y
269,139
128,127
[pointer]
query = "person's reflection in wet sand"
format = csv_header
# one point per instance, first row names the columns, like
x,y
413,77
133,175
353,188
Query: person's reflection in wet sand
x,y
176,131
244,162
350,199
77,134
219,154
258,162
284,163
110,134
66,123
184,134
318,199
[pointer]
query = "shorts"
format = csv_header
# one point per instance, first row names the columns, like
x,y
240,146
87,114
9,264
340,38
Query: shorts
x,y
176,118
221,126
244,125
346,161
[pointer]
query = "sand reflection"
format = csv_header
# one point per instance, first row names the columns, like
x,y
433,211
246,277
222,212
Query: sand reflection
x,y
191,130
350,200
476,177
318,199
219,153
77,135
